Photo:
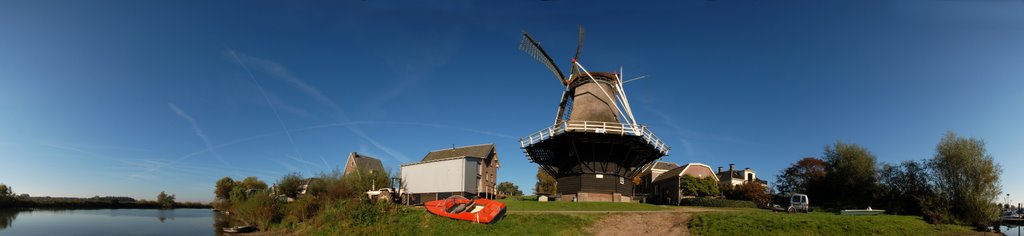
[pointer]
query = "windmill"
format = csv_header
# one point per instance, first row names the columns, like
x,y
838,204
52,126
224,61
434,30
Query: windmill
x,y
595,146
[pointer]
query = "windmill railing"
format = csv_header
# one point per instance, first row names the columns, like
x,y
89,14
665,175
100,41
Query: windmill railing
x,y
613,128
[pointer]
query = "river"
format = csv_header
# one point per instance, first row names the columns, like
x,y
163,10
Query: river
x,y
111,222
1011,230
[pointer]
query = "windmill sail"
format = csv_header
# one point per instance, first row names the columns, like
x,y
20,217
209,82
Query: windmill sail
x,y
533,48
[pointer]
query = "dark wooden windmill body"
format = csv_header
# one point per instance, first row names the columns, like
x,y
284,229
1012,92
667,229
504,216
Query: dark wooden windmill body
x,y
595,147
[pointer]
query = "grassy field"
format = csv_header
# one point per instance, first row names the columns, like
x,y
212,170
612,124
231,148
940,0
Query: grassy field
x,y
514,206
416,221
761,222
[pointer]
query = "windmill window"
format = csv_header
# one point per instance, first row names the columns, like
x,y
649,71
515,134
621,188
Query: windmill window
x,y
622,180
599,176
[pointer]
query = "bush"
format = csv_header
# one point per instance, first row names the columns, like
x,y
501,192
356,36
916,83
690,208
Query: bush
x,y
368,213
305,207
692,186
750,191
290,185
715,202
259,209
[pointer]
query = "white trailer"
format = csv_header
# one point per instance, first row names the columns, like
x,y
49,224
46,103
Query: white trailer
x,y
437,179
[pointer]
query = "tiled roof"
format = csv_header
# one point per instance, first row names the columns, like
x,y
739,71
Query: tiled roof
x,y
479,151
367,163
671,173
664,165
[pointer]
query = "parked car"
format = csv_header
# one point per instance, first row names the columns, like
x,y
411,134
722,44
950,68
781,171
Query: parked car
x,y
799,202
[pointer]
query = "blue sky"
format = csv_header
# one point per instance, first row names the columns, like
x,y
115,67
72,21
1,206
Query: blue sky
x,y
133,98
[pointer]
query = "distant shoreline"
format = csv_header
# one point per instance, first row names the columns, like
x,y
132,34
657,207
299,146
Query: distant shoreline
x,y
91,205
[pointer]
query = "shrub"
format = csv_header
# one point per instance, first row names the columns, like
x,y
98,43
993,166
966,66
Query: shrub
x,y
305,207
368,213
260,209
331,186
750,191
290,185
692,186
715,202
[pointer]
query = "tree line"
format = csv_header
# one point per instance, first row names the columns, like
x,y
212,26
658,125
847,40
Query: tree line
x,y
8,199
959,184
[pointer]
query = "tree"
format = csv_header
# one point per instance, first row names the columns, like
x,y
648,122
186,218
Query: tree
x,y
6,194
252,183
509,188
165,201
223,188
967,173
905,187
5,191
851,178
546,184
804,176
367,181
749,191
237,194
702,187
290,185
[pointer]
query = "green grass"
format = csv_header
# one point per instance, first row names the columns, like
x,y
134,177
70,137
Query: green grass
x,y
416,221
514,206
761,222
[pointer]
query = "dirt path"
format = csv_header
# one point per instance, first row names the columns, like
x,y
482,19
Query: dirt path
x,y
672,222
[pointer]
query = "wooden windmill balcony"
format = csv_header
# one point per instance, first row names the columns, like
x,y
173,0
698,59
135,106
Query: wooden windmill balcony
x,y
603,128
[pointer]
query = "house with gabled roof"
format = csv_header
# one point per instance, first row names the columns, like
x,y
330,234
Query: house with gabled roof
x,y
465,171
666,188
647,176
364,164
734,177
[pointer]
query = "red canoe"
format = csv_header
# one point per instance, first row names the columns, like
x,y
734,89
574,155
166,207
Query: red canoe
x,y
478,210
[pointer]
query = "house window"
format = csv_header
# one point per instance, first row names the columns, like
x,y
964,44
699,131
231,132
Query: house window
x,y
750,176
599,176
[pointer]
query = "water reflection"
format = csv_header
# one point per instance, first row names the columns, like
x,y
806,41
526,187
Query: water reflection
x,y
111,222
7,218
1011,229
163,215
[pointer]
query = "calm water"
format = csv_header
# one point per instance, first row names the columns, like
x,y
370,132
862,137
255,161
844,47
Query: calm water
x,y
1012,230
111,222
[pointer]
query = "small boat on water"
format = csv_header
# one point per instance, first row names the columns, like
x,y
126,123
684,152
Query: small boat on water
x,y
457,207
861,212
239,229
1012,218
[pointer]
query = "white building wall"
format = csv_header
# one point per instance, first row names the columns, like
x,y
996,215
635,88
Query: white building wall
x,y
456,175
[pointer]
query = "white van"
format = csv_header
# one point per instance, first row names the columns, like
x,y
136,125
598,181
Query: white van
x,y
799,202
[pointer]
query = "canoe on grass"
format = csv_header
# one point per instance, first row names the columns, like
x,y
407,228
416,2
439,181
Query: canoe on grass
x,y
861,212
457,207
239,229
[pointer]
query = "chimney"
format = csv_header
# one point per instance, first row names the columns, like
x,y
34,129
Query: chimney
x,y
719,169
732,167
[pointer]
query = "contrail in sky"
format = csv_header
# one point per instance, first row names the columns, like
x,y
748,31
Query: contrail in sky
x,y
198,131
279,71
267,98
